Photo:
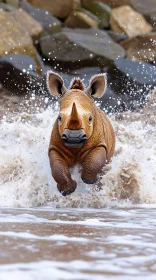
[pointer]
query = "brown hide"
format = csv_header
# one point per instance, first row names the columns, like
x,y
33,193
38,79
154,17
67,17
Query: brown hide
x,y
81,134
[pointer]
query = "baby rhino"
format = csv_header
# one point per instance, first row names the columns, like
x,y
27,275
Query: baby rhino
x,y
82,134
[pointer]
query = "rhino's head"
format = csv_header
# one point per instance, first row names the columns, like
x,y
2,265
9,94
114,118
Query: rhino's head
x,y
77,107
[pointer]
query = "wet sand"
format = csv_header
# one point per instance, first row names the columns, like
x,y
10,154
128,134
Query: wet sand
x,y
46,243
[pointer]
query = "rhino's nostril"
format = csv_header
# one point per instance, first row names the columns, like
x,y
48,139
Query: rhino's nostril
x,y
84,136
64,136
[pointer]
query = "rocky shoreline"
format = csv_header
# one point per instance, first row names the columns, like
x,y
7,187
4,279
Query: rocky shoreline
x,y
78,38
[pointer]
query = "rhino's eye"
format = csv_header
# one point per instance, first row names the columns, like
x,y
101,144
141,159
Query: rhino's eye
x,y
90,118
59,118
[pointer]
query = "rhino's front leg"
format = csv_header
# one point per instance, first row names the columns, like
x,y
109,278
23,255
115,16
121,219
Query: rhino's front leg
x,y
61,173
93,163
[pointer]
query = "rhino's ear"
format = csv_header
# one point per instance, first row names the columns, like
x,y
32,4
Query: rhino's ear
x,y
55,84
97,85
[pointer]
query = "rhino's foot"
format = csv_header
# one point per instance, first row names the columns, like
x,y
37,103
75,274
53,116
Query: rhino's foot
x,y
89,181
68,190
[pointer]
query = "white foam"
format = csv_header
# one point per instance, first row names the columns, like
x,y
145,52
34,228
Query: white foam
x,y
54,237
25,175
71,270
129,240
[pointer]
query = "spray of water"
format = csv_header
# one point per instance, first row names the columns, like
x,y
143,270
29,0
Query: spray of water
x,y
25,175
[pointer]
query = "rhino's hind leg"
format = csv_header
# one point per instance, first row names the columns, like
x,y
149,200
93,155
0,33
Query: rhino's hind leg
x,y
61,173
93,164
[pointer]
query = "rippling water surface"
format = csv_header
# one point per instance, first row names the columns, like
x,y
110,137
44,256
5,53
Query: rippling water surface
x,y
46,236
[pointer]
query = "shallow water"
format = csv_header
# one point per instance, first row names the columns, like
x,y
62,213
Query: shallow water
x,y
46,243
68,239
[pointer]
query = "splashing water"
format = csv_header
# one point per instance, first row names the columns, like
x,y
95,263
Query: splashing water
x,y
25,175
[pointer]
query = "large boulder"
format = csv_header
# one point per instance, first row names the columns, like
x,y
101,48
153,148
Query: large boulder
x,y
102,11
15,68
132,81
141,47
79,47
50,24
59,8
28,24
125,19
22,21
81,19
17,34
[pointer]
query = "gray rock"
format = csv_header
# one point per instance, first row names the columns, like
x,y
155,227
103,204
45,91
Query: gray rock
x,y
117,37
132,81
112,103
85,74
147,8
79,47
15,68
141,73
49,23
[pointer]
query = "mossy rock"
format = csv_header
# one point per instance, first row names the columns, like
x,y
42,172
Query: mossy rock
x,y
7,7
102,11
82,18
13,3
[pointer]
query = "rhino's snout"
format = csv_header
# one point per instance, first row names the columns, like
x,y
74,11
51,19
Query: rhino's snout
x,y
74,138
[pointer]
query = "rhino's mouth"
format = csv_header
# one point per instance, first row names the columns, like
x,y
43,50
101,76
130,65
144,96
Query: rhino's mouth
x,y
74,142
74,138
